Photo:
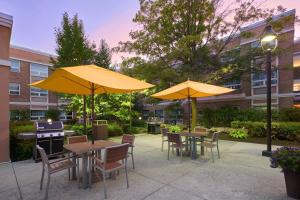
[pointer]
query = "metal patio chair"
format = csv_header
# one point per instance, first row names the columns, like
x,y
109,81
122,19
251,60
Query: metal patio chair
x,y
175,141
114,159
164,137
130,140
53,167
212,143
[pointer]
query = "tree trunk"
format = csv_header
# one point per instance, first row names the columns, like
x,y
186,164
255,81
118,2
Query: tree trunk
x,y
194,113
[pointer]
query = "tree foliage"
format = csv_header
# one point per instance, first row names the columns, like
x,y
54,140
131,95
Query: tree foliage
x,y
103,55
73,47
190,36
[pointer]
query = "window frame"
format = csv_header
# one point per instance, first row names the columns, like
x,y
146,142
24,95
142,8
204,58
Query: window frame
x,y
294,55
11,66
10,90
39,73
37,117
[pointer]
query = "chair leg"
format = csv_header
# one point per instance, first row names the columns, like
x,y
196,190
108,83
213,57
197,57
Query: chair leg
x,y
181,154
132,158
69,174
212,154
78,176
218,151
47,188
104,184
90,172
168,150
126,173
42,179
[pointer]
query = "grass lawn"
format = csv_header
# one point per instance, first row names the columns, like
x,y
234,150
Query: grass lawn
x,y
260,140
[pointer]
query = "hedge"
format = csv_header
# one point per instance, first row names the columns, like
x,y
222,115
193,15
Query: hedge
x,y
225,115
280,130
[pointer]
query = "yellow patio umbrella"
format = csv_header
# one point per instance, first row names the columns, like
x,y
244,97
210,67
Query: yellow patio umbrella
x,y
191,89
90,80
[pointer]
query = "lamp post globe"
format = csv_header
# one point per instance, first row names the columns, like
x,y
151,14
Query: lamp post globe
x,y
269,44
269,39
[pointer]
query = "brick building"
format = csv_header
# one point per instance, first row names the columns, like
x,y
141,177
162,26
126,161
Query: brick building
x,y
28,66
251,87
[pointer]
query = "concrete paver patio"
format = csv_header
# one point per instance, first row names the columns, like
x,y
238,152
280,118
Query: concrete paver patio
x,y
241,173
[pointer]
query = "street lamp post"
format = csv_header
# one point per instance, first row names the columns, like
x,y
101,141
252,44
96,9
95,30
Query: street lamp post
x,y
269,44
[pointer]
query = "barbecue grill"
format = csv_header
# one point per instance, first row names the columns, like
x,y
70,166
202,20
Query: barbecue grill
x,y
49,136
153,125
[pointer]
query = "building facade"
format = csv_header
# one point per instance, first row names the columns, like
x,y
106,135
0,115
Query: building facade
x,y
250,88
6,23
28,66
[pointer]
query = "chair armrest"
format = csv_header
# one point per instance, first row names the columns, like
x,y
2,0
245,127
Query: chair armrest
x,y
62,159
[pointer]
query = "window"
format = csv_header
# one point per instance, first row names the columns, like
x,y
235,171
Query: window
x,y
37,114
259,78
37,92
296,60
14,89
15,66
66,116
38,70
230,55
233,84
159,113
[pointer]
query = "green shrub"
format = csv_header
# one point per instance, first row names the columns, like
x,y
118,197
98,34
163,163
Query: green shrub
x,y
52,114
255,129
79,129
289,114
280,130
20,149
225,115
239,133
20,115
114,129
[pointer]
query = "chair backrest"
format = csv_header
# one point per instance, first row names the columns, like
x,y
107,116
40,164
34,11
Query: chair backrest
x,y
128,139
116,153
174,137
164,131
43,154
215,137
200,130
77,139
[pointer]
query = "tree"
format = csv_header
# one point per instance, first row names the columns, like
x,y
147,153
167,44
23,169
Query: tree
x,y
187,33
73,47
190,36
103,55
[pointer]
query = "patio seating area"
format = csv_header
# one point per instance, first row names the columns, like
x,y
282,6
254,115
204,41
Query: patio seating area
x,y
241,173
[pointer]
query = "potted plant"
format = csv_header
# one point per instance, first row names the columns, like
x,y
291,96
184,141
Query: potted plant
x,y
288,158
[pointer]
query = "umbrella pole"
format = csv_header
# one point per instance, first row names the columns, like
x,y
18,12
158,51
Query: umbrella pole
x,y
84,114
189,111
93,112
130,108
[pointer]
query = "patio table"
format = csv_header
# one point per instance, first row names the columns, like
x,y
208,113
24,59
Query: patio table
x,y
195,135
83,148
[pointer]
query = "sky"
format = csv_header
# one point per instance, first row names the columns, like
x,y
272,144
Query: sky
x,y
35,20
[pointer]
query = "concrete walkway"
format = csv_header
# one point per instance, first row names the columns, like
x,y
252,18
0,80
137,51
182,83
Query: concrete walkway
x,y
242,173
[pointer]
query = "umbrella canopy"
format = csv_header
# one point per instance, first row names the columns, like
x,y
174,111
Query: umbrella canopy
x,y
85,78
90,80
190,89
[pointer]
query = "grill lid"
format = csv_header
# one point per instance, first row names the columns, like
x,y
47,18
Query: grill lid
x,y
54,126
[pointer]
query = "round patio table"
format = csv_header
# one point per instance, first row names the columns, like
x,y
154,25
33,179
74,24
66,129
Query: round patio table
x,y
83,148
195,135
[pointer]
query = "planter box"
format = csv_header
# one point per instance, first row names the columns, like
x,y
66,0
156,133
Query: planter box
x,y
292,182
